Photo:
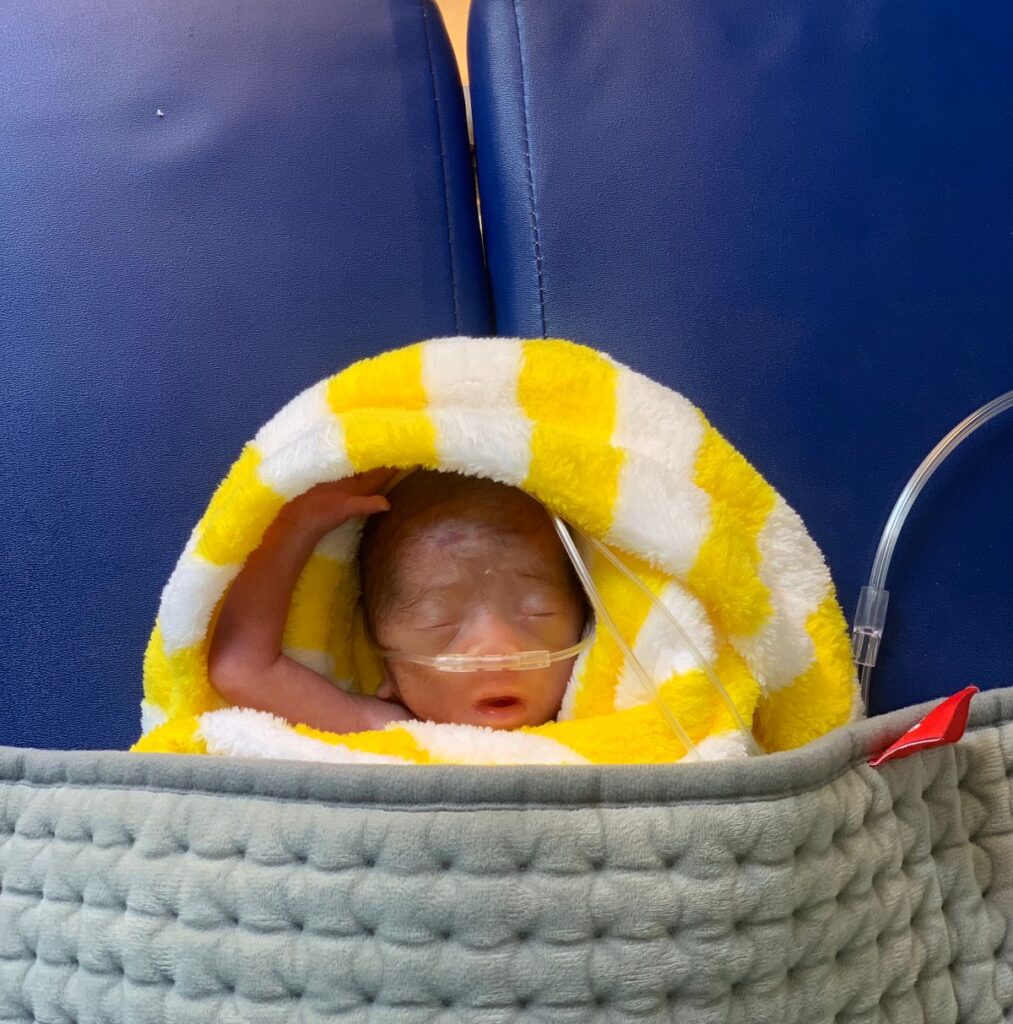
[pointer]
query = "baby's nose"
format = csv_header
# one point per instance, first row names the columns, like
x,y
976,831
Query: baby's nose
x,y
492,634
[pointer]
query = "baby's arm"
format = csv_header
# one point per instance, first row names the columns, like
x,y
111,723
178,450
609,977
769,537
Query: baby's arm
x,y
246,664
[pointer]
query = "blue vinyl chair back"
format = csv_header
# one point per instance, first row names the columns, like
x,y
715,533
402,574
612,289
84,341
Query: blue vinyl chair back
x,y
204,208
800,215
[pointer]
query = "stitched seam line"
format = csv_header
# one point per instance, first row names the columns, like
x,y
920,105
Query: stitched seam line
x,y
443,166
530,175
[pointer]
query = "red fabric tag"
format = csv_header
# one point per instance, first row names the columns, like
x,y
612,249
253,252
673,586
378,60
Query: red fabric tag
x,y
944,724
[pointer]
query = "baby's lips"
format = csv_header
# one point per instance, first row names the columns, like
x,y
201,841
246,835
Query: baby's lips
x,y
498,701
494,692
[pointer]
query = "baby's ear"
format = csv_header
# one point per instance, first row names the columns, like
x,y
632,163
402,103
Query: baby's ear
x,y
387,690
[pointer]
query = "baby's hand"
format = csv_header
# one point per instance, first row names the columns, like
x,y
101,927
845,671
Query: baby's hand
x,y
328,505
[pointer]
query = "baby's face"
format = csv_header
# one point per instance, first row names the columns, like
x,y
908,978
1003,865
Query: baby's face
x,y
467,586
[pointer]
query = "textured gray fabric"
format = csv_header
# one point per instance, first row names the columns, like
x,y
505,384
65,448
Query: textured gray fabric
x,y
802,887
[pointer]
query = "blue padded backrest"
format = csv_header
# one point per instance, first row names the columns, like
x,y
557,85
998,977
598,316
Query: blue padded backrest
x,y
204,208
799,214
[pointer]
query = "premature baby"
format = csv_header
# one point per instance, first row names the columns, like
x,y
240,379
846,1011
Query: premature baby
x,y
449,565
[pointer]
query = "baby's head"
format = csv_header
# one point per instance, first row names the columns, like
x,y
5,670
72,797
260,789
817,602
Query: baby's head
x,y
461,565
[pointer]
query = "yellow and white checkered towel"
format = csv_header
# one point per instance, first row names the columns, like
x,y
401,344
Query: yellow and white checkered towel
x,y
624,459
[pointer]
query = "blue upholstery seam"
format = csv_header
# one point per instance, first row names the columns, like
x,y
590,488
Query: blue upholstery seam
x,y
443,166
530,173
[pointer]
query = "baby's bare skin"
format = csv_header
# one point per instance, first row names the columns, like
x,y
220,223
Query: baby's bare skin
x,y
466,576
246,664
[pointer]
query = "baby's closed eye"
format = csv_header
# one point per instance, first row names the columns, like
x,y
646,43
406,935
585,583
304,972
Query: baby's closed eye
x,y
539,606
430,627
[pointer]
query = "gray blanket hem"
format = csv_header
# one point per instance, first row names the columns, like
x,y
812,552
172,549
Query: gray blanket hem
x,y
773,777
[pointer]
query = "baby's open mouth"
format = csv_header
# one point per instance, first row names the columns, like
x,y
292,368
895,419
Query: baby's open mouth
x,y
492,705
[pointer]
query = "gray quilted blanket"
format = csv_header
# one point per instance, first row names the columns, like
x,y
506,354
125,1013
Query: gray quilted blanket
x,y
803,887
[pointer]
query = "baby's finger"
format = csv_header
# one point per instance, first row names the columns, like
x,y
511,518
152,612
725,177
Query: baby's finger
x,y
370,482
366,505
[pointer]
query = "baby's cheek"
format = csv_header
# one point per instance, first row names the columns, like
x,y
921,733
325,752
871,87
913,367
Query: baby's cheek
x,y
422,695
560,679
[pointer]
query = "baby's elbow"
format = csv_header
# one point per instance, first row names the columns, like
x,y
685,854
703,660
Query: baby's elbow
x,y
231,677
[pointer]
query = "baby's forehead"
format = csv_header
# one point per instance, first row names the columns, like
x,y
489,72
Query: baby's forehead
x,y
454,537
463,552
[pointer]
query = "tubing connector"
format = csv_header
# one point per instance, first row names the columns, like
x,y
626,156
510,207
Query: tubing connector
x,y
870,618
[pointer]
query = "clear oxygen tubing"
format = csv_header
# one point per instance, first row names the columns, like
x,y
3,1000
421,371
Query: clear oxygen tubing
x,y
516,661
708,670
603,617
873,599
